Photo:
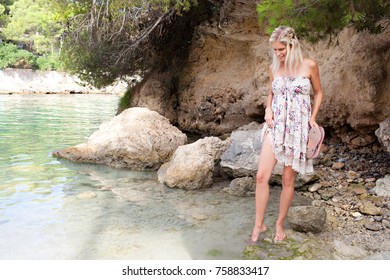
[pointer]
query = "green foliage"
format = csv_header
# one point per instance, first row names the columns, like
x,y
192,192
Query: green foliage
x,y
13,57
48,62
119,38
125,100
317,19
65,9
4,11
31,22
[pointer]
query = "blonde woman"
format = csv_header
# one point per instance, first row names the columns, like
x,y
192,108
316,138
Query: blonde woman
x,y
288,117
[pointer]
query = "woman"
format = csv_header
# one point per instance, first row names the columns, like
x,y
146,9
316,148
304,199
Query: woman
x,y
288,117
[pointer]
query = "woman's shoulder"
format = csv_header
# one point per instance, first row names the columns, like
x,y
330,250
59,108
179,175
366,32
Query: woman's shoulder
x,y
309,62
311,67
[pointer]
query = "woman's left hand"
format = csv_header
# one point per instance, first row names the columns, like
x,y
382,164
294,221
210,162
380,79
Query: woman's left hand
x,y
313,123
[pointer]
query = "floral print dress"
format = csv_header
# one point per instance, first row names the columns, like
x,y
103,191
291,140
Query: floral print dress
x,y
292,110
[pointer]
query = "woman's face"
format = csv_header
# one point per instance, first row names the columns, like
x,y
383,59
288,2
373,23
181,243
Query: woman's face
x,y
280,50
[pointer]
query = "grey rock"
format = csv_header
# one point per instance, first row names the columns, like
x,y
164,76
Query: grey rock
x,y
373,226
383,134
241,157
382,187
307,218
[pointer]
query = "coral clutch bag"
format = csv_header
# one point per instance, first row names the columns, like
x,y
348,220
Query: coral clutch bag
x,y
316,136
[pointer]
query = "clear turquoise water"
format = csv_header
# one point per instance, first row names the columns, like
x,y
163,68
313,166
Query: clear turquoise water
x,y
56,209
32,126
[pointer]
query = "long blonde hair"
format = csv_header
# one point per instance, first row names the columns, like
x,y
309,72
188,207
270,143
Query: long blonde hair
x,y
286,35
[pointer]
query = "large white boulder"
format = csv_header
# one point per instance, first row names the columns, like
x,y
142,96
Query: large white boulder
x,y
138,138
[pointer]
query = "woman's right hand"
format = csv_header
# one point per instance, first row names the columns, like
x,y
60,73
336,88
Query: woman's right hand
x,y
269,117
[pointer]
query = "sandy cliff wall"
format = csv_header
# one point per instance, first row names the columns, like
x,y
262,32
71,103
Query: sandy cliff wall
x,y
225,81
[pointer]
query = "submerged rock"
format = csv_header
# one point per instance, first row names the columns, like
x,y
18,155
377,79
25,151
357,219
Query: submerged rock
x,y
241,186
86,195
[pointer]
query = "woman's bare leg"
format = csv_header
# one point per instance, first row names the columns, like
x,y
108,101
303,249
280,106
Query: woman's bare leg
x,y
267,163
286,197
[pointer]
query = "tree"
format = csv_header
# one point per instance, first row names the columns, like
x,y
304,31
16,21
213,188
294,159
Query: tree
x,y
4,11
125,37
32,23
318,19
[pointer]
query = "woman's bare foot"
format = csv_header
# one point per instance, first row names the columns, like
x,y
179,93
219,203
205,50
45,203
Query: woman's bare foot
x,y
280,234
256,232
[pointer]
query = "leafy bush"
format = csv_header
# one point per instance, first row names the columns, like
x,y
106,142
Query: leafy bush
x,y
125,100
316,20
13,57
48,62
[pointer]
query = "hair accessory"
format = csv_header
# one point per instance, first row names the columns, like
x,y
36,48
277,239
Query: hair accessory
x,y
289,33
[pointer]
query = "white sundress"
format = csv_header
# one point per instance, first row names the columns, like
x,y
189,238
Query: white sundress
x,y
292,110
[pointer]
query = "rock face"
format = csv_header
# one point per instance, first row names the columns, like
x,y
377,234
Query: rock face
x,y
225,82
192,166
356,80
223,85
155,93
138,139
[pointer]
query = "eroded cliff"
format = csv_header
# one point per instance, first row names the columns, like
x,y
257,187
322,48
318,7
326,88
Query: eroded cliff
x,y
224,82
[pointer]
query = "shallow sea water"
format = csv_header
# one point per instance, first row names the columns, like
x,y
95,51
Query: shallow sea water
x,y
56,209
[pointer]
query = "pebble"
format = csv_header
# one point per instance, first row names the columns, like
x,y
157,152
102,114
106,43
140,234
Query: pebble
x,y
356,214
336,199
368,180
200,216
373,226
378,218
386,223
359,190
86,195
338,165
315,187
369,208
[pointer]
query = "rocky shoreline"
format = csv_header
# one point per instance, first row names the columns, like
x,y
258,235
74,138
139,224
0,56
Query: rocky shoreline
x,y
358,220
347,186
351,185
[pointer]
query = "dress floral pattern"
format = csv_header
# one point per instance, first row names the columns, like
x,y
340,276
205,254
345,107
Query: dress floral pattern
x,y
292,110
